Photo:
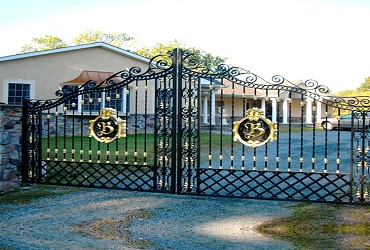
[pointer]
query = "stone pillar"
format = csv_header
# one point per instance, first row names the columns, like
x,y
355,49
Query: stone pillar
x,y
10,146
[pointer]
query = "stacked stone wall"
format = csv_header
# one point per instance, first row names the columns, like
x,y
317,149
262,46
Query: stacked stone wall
x,y
10,146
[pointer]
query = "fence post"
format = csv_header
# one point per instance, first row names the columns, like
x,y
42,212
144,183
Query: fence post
x,y
25,156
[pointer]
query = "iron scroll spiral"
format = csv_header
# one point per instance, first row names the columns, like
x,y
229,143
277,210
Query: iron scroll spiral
x,y
198,64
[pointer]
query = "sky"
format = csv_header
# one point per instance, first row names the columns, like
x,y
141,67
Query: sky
x,y
324,40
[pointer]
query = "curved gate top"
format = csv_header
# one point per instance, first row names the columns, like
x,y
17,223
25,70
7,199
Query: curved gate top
x,y
180,126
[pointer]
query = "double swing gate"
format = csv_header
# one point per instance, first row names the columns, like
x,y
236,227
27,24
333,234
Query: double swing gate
x,y
180,126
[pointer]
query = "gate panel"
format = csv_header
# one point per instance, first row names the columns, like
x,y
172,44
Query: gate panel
x,y
113,134
303,162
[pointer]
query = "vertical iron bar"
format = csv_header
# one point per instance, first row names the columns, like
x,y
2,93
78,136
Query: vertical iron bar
x,y
127,93
314,104
210,123
176,120
48,139
221,122
156,131
199,124
73,133
65,133
244,112
188,104
363,154
82,132
164,137
136,121
352,181
145,122
232,122
254,149
25,140
56,150
301,149
290,133
278,101
89,105
326,142
338,143
107,101
266,110
39,145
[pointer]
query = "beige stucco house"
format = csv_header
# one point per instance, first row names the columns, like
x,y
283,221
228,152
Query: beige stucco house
x,y
38,75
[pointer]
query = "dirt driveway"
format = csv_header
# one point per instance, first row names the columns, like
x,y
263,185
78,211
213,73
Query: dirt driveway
x,y
114,219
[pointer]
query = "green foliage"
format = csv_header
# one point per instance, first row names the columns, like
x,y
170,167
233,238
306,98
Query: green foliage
x,y
164,48
115,38
118,39
363,90
365,86
43,43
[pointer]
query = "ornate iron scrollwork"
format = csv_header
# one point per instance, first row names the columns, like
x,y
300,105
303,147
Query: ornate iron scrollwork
x,y
254,130
107,127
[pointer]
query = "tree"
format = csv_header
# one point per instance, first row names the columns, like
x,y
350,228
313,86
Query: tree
x,y
43,43
162,49
117,39
364,86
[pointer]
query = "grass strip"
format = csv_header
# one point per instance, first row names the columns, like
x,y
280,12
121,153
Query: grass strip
x,y
328,226
24,195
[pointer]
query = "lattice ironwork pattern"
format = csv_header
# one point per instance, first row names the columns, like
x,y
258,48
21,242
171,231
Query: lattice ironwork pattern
x,y
87,174
275,185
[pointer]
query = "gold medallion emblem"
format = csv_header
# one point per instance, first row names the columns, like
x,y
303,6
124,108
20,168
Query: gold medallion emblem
x,y
107,127
254,130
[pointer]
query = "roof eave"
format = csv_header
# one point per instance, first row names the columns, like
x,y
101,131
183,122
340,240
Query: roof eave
x,y
73,48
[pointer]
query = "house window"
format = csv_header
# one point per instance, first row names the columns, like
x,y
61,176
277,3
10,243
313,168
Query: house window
x,y
74,100
117,99
93,101
18,91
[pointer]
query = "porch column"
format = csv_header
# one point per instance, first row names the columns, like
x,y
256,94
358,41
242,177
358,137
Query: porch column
x,y
308,111
285,111
124,100
205,109
213,109
274,109
263,105
318,111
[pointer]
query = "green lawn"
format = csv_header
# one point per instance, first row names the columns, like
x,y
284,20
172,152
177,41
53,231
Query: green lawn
x,y
139,148
131,154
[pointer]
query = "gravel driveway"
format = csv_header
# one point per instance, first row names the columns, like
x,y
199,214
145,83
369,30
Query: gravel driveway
x,y
114,219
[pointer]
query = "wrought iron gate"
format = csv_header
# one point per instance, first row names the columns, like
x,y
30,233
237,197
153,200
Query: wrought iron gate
x,y
180,126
